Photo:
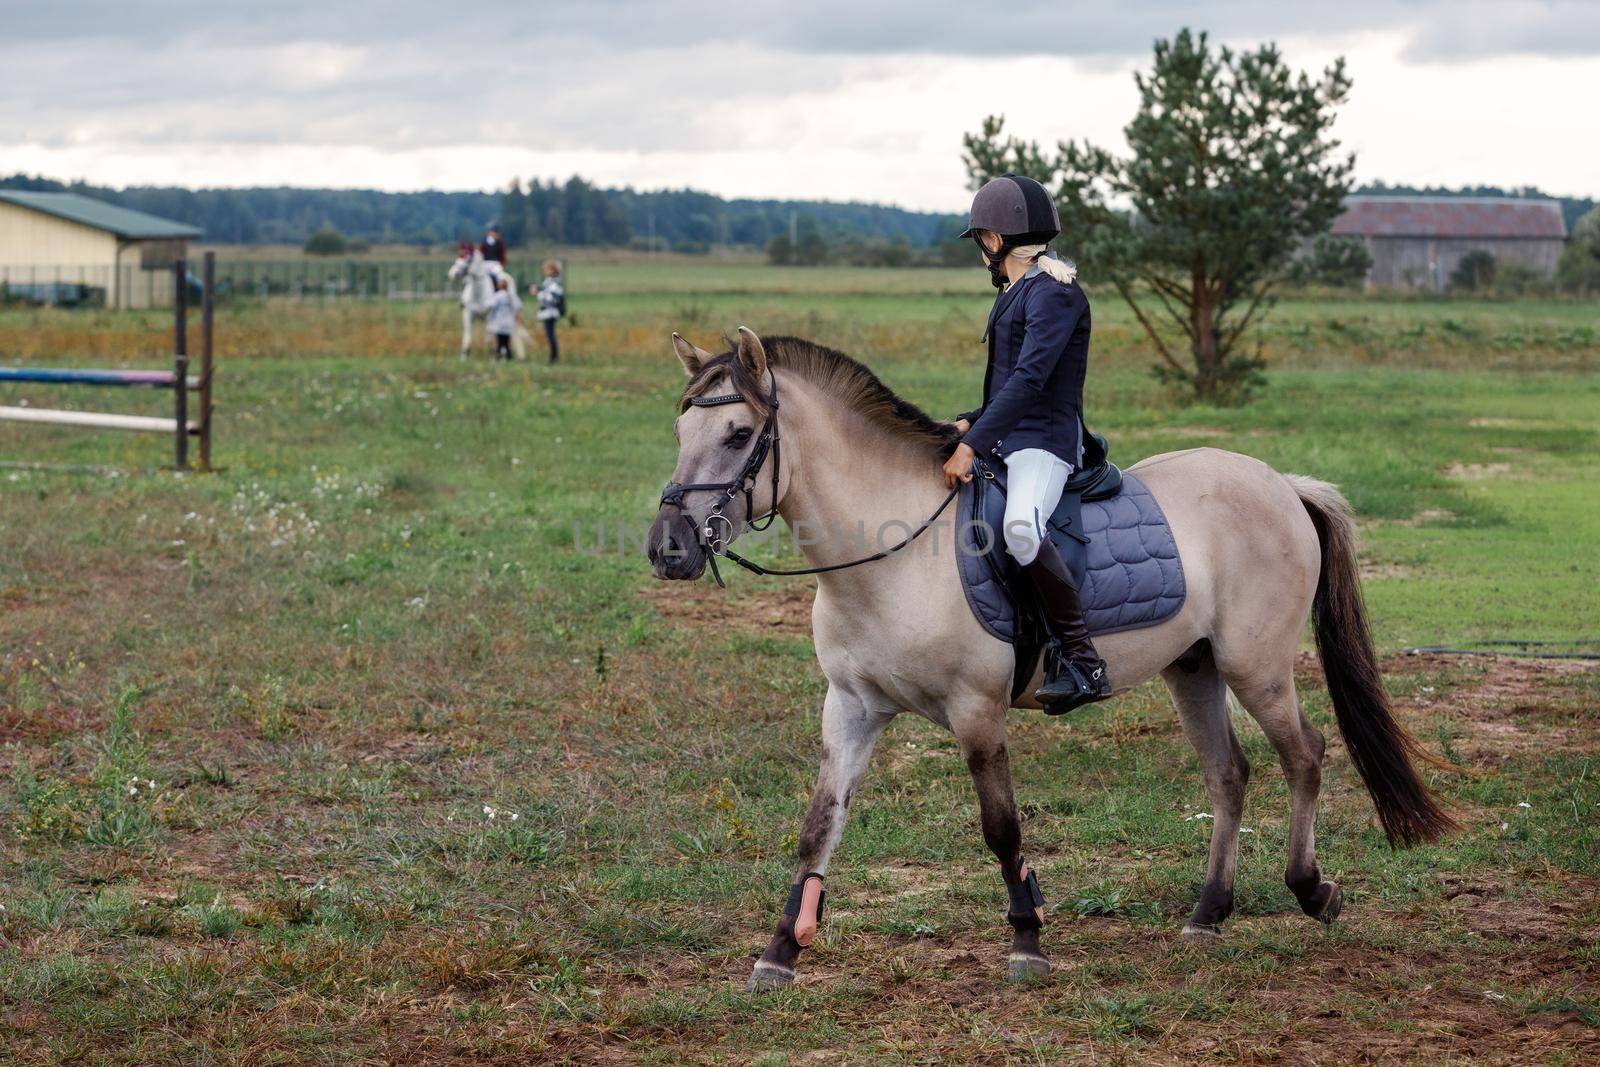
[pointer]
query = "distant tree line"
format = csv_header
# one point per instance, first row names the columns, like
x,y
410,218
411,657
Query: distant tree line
x,y
282,215
685,220
806,245
562,213
573,212
576,212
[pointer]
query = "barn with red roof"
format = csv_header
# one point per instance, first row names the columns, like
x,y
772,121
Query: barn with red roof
x,y
1417,241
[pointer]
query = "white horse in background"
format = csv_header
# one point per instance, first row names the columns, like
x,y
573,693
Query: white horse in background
x,y
478,291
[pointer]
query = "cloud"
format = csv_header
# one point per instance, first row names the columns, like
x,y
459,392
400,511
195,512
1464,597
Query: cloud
x,y
1475,30
404,95
1440,30
840,98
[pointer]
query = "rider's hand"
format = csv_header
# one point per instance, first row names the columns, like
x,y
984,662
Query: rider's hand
x,y
958,468
962,426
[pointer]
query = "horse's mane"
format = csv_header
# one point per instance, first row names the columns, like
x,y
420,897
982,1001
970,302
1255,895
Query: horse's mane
x,y
837,376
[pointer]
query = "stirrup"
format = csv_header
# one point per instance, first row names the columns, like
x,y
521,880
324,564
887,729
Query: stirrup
x,y
1072,683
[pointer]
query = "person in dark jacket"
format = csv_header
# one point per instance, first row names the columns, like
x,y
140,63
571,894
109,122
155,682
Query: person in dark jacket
x,y
493,247
1031,417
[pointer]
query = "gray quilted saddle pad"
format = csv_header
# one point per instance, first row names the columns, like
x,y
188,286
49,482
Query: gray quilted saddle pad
x,y
1121,551
1135,577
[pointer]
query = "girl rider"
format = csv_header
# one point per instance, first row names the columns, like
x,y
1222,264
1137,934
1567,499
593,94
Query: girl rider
x,y
1031,416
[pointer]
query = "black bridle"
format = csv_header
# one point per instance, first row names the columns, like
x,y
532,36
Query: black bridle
x,y
716,542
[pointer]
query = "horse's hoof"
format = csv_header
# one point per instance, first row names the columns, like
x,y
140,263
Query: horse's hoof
x,y
1330,910
768,976
1195,934
1027,968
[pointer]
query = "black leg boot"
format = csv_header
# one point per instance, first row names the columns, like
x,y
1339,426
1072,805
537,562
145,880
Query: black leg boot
x,y
1074,672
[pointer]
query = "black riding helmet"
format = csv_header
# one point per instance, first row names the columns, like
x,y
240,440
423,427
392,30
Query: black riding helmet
x,y
1018,209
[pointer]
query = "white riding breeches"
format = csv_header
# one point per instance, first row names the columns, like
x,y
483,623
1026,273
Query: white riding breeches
x,y
1034,482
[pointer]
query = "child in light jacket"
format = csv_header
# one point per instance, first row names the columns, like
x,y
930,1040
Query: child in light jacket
x,y
505,311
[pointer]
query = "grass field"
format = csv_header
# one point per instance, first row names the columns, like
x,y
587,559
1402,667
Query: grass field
x,y
347,752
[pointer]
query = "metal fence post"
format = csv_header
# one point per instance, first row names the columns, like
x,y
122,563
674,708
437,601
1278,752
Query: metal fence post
x,y
207,356
180,360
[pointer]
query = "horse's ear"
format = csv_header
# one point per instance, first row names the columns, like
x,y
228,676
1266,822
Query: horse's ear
x,y
692,357
751,353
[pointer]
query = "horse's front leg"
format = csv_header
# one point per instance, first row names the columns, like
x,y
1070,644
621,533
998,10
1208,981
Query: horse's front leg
x,y
466,331
982,736
851,726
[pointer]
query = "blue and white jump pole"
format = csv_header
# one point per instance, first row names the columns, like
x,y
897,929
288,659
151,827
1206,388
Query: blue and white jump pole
x,y
177,379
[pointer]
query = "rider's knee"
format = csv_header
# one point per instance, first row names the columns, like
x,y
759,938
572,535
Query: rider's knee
x,y
1022,540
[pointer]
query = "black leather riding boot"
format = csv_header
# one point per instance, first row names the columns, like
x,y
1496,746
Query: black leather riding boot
x,y
1074,672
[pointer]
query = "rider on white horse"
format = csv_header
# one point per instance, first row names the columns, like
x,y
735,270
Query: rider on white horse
x,y
493,247
478,292
1031,414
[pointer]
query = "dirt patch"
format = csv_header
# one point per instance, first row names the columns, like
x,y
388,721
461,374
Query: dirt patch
x,y
44,725
1525,920
1438,1008
1504,706
702,606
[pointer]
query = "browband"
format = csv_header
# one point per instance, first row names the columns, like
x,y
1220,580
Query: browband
x,y
713,401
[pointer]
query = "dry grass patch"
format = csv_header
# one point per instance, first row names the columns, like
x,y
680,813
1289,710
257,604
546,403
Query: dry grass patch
x,y
1476,472
702,607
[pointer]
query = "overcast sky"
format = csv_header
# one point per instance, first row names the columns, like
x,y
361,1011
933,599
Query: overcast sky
x,y
801,98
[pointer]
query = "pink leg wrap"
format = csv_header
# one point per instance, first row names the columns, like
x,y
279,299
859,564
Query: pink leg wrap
x,y
805,923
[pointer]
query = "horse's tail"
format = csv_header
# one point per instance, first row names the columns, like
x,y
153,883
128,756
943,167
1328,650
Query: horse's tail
x,y
1381,749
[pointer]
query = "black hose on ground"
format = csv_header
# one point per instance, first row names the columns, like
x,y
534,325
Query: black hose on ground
x,y
1522,649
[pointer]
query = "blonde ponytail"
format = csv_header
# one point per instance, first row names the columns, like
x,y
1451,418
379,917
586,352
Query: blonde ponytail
x,y
1062,270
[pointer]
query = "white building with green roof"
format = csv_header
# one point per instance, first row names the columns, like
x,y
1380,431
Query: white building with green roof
x,y
55,243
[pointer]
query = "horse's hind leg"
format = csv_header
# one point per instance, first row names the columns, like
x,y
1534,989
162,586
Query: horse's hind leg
x,y
1202,702
1268,694
466,331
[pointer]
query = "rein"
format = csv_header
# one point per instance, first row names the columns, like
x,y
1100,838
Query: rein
x,y
716,542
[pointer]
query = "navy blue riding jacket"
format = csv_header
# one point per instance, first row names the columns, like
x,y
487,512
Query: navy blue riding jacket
x,y
1038,355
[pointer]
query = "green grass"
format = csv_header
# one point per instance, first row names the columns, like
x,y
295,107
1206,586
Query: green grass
x,y
372,625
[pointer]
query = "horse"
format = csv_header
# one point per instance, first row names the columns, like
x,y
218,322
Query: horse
x,y
1262,551
478,291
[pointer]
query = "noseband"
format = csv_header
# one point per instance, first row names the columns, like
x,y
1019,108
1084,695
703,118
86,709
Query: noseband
x,y
715,538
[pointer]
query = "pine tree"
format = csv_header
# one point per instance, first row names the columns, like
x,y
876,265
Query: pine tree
x,y
1232,168
514,214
